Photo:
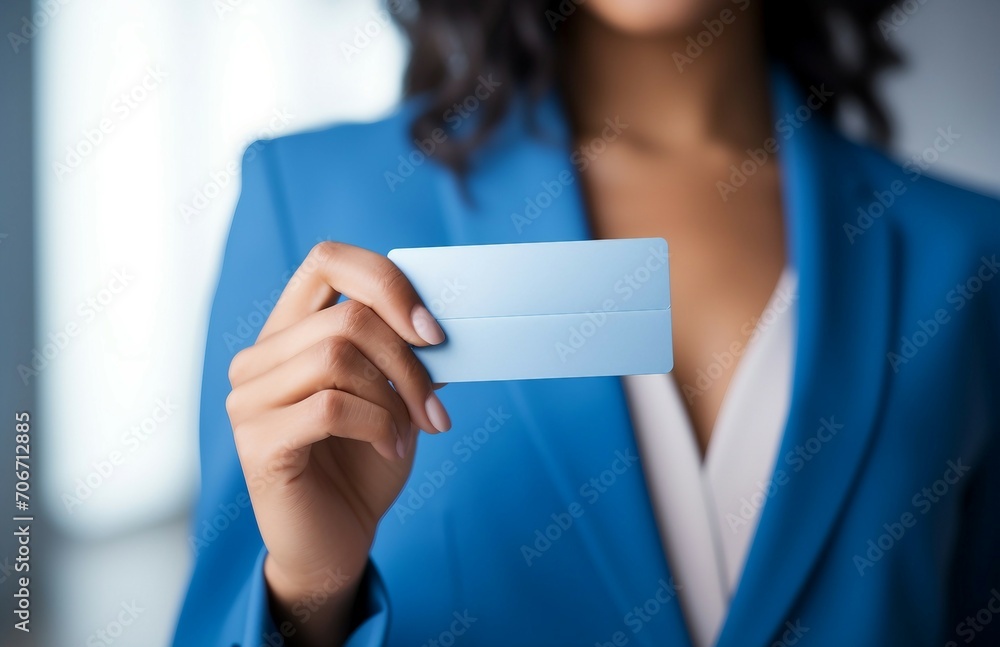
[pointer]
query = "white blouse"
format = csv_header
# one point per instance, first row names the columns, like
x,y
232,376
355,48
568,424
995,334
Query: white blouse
x,y
707,512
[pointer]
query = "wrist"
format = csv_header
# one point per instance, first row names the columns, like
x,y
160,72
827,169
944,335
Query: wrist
x,y
315,610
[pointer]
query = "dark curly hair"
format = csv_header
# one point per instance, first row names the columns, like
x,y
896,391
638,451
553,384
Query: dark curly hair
x,y
453,42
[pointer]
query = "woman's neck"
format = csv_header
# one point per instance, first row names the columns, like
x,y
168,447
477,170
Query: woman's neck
x,y
672,94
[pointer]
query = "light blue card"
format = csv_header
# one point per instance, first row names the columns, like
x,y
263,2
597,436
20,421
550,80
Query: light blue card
x,y
544,310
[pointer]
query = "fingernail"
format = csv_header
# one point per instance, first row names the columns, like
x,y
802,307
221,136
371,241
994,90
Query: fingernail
x,y
426,325
438,416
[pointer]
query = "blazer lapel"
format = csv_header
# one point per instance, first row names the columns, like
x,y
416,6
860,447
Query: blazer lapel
x,y
519,192
839,375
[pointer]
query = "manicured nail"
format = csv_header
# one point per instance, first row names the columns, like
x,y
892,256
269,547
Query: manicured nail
x,y
438,416
426,325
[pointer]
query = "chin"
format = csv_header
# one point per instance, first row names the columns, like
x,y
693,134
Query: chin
x,y
648,17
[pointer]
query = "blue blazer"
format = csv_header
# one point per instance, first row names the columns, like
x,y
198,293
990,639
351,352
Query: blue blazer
x,y
881,525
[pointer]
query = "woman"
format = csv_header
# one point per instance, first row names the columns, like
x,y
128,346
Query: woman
x,y
822,464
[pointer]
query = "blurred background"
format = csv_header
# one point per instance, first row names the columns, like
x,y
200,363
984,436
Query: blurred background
x,y
122,123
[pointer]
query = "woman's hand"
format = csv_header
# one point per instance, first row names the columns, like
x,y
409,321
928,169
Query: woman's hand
x,y
324,440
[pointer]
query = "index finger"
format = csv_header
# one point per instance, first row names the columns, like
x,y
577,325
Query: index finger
x,y
332,269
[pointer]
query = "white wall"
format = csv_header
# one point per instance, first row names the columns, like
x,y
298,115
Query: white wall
x,y
953,80
201,79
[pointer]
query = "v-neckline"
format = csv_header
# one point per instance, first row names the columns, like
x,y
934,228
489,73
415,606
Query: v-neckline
x,y
706,528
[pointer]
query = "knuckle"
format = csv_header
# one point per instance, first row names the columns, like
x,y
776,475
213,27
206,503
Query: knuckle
x,y
280,459
390,352
334,352
356,316
322,252
330,406
388,278
237,367
232,405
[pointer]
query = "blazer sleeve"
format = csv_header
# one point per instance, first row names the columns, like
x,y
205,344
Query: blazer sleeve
x,y
227,603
